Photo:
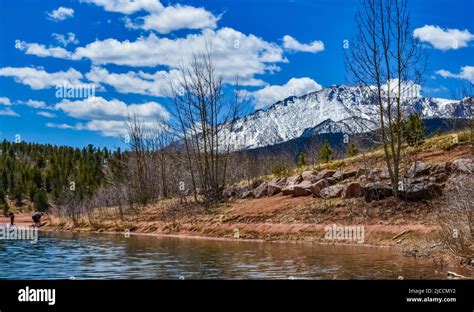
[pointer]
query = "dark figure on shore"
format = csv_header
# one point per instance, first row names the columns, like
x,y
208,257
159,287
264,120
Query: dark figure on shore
x,y
12,218
37,218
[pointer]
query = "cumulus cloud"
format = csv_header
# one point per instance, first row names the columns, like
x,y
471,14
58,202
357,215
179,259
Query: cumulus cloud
x,y
8,112
467,73
443,39
294,87
46,114
235,54
41,50
5,101
179,17
292,44
38,78
100,108
65,41
61,13
35,104
108,116
156,84
60,126
127,6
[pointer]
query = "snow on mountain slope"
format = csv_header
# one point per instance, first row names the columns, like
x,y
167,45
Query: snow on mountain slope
x,y
288,119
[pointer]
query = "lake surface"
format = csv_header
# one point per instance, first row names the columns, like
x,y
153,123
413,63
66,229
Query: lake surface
x,y
107,256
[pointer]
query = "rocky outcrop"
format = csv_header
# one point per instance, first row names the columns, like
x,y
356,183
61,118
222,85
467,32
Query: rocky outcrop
x,y
261,190
352,190
332,191
418,168
326,173
273,189
463,165
293,180
377,175
421,191
445,168
341,175
320,185
302,189
422,181
309,176
376,191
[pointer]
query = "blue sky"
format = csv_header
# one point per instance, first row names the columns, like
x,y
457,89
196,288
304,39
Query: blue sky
x,y
130,49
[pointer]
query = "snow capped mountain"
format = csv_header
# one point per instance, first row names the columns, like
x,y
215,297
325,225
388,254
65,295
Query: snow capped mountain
x,y
331,109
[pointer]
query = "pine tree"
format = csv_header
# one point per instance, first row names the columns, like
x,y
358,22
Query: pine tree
x,y
325,152
352,150
40,200
414,130
301,160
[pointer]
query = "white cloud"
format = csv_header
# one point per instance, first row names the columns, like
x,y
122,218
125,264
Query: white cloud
x,y
36,104
8,112
39,78
157,84
46,114
60,126
108,116
127,6
41,50
467,73
98,108
443,39
61,13
235,54
292,44
5,101
294,87
65,41
179,17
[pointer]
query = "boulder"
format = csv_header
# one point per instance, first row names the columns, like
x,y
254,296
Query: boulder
x,y
302,189
377,175
273,189
421,191
361,172
290,181
418,168
376,191
255,184
280,181
341,175
326,173
261,190
439,178
320,185
463,165
287,190
332,191
352,190
442,168
247,194
309,176
229,192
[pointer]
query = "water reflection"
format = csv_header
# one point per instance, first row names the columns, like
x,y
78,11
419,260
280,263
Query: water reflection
x,y
102,256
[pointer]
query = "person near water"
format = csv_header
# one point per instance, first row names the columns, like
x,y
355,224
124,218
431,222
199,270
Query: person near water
x,y
37,218
12,218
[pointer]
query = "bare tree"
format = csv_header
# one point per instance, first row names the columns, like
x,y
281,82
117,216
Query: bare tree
x,y
204,117
387,63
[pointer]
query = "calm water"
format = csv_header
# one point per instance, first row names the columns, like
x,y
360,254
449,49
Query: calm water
x,y
103,256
